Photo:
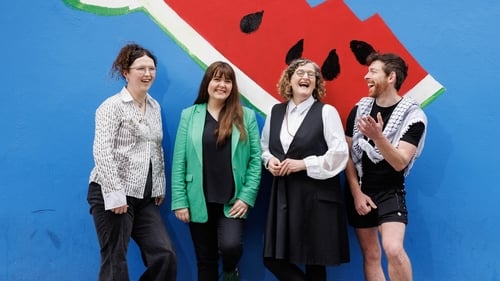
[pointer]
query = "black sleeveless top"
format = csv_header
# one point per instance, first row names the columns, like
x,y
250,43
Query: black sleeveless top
x,y
305,222
308,140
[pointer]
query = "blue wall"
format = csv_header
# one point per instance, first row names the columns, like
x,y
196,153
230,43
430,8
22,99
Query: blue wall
x,y
54,73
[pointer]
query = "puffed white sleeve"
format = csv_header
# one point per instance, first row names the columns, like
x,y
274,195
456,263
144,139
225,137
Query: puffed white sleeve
x,y
264,142
334,160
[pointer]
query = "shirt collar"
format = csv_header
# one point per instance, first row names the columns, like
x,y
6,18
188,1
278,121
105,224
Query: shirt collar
x,y
127,96
302,107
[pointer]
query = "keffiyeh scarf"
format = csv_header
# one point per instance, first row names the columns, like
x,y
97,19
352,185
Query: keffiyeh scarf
x,y
406,113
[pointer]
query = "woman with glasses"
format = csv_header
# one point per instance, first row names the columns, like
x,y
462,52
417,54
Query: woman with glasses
x,y
127,183
304,148
216,172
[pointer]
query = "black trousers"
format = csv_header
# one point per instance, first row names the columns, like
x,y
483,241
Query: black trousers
x,y
218,237
286,271
144,224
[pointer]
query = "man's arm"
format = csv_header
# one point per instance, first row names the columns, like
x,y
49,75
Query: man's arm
x,y
397,157
362,202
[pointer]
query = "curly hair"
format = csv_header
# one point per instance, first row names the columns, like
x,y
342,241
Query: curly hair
x,y
126,57
285,88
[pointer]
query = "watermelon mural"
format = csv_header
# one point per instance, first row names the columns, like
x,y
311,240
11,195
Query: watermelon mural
x,y
260,37
57,56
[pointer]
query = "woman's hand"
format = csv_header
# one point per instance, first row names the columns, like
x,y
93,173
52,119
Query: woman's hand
x,y
159,200
183,215
274,166
289,166
120,210
239,209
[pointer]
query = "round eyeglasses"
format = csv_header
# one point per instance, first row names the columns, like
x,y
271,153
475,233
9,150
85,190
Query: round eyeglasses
x,y
143,69
310,74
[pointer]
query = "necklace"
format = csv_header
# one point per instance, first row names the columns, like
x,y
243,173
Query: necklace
x,y
139,104
286,122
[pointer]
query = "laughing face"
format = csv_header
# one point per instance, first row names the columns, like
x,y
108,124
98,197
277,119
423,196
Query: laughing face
x,y
140,75
303,82
376,79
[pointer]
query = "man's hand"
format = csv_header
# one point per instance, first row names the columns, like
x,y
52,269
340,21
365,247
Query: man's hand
x,y
363,204
370,128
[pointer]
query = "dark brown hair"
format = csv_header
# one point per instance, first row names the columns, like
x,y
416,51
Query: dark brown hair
x,y
232,111
126,57
392,63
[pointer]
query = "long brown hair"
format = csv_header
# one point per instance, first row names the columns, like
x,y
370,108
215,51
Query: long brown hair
x,y
232,111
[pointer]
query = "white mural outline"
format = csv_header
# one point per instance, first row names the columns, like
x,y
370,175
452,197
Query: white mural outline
x,y
425,91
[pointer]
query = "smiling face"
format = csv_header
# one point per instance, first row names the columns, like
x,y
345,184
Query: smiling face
x,y
140,75
377,80
219,88
303,82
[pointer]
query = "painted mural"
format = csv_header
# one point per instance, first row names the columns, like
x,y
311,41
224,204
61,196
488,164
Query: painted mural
x,y
55,72
260,37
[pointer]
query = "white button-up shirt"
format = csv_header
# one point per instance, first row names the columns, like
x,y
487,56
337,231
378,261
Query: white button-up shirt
x,y
126,141
318,167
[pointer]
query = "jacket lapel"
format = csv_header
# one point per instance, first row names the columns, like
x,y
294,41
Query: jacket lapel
x,y
198,123
235,137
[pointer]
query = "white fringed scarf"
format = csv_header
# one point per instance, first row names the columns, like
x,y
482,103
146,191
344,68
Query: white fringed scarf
x,y
406,113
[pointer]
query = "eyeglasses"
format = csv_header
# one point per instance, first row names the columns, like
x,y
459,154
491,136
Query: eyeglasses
x,y
310,74
143,69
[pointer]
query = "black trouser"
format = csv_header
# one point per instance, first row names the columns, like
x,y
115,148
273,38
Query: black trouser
x,y
286,271
144,224
219,235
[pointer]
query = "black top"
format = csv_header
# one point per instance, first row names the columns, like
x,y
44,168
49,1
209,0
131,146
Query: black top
x,y
218,182
382,175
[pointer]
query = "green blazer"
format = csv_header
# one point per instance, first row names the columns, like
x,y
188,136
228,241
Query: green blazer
x,y
187,163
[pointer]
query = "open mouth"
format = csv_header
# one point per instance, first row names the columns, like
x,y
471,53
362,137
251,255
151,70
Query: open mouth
x,y
304,84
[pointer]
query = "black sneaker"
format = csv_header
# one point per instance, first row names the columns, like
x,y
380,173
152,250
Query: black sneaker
x,y
231,276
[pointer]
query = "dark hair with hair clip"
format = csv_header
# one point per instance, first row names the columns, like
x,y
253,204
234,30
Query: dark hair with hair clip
x,y
126,57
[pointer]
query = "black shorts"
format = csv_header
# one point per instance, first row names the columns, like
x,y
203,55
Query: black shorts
x,y
391,207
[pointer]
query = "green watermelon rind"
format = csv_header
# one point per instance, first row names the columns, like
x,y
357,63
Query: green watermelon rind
x,y
420,92
100,10
203,53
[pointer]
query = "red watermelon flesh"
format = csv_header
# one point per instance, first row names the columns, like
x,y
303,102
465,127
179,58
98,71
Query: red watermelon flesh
x,y
257,36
